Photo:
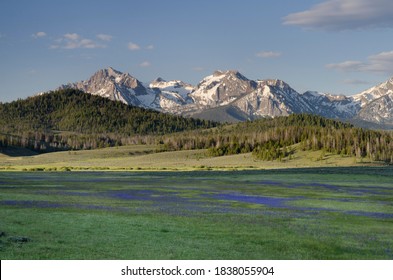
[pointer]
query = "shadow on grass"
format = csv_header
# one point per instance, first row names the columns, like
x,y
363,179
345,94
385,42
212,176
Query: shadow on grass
x,y
17,152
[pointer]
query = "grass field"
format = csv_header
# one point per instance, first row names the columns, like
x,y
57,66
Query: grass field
x,y
308,213
144,157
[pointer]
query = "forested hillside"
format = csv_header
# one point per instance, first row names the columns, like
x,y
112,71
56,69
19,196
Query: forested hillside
x,y
270,139
71,119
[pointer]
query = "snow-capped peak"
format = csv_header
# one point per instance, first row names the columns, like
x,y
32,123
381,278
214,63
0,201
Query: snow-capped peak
x,y
374,93
247,99
221,88
116,85
171,94
169,85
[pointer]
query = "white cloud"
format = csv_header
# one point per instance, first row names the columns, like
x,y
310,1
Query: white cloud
x,y
133,47
377,63
104,37
349,65
75,41
145,64
268,54
337,15
382,62
54,46
72,36
150,47
38,35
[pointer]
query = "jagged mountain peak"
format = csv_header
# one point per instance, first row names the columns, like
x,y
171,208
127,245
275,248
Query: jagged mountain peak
x,y
230,91
218,73
115,85
390,81
229,73
375,92
273,82
377,103
220,76
161,83
108,76
108,73
277,83
221,88
379,110
387,85
158,80
112,72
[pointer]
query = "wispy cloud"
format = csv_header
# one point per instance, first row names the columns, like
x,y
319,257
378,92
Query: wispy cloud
x,y
72,36
75,41
105,37
268,54
198,69
150,47
133,47
37,35
355,82
32,72
335,15
145,64
349,65
377,63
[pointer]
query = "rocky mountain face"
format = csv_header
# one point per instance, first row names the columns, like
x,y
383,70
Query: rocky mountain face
x,y
115,85
377,104
221,88
229,96
270,99
374,93
332,106
170,96
379,110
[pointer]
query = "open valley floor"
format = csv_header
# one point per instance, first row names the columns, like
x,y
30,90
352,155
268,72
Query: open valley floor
x,y
303,213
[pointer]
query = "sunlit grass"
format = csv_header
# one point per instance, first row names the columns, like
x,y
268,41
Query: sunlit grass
x,y
145,157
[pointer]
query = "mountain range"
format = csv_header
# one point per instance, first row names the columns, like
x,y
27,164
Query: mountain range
x,y
229,96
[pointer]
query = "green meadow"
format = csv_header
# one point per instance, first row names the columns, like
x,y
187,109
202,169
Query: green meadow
x,y
298,213
150,157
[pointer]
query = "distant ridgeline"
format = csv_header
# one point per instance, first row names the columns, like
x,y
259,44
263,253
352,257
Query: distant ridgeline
x,y
71,119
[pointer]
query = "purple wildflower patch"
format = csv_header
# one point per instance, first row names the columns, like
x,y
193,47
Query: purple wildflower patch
x,y
277,202
184,194
371,214
49,204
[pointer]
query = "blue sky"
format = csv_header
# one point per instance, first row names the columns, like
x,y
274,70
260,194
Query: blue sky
x,y
334,46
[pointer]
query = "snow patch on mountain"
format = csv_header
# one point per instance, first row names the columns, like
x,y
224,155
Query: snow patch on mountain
x,y
332,106
247,98
375,92
221,88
